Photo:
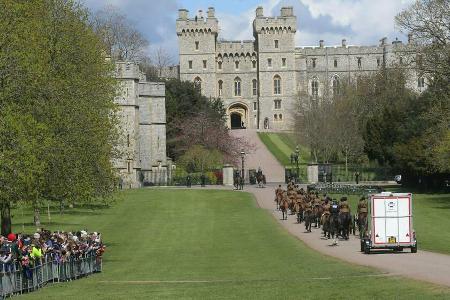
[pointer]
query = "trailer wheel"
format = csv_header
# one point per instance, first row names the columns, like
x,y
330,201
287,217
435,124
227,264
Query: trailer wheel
x,y
362,245
414,249
366,249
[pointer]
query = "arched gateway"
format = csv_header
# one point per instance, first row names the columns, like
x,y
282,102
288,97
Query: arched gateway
x,y
237,116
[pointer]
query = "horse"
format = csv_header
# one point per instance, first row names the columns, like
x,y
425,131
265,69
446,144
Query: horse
x,y
362,224
317,214
284,207
308,215
278,199
298,208
261,179
344,223
333,227
325,220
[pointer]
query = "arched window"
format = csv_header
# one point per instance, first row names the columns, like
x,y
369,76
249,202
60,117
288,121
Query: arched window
x,y
220,87
237,86
315,87
255,87
280,117
420,82
219,65
336,85
198,83
277,85
236,64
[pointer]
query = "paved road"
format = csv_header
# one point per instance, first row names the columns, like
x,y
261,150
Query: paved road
x,y
261,157
423,265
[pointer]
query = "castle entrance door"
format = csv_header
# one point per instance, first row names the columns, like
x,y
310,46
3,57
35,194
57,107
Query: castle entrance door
x,y
237,116
236,121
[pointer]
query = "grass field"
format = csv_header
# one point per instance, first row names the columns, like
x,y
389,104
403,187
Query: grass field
x,y
281,145
221,245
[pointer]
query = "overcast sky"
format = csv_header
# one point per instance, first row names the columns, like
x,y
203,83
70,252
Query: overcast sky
x,y
361,22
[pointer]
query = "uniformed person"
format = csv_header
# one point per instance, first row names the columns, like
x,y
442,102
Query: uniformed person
x,y
363,206
343,206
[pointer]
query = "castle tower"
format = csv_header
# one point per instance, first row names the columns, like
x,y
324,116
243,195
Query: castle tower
x,y
197,45
276,67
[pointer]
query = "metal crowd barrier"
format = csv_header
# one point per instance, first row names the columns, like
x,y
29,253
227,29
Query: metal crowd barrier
x,y
15,279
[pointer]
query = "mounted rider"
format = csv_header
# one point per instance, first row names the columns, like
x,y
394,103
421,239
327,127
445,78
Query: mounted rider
x,y
344,207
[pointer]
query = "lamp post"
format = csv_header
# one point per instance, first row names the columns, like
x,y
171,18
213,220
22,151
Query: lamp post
x,y
296,156
242,159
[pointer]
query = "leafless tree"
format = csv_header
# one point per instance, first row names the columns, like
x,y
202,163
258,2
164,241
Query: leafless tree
x,y
121,38
428,23
160,60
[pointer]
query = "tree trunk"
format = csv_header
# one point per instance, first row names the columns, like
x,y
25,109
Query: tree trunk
x,y
37,215
6,219
61,207
346,164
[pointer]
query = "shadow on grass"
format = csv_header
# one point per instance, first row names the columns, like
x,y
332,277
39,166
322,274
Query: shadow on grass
x,y
44,224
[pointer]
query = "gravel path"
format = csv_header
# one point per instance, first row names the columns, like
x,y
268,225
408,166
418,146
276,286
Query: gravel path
x,y
423,265
261,157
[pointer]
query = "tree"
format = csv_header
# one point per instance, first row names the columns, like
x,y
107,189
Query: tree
x,y
120,37
428,23
161,59
53,72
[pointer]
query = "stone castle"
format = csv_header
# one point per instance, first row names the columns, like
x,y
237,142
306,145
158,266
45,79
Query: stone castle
x,y
260,80
143,129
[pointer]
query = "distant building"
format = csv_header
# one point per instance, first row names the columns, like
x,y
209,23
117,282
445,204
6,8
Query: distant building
x,y
143,129
259,80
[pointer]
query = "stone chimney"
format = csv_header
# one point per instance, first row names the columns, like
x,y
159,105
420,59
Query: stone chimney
x,y
383,41
321,43
259,12
183,14
211,12
344,43
410,38
287,11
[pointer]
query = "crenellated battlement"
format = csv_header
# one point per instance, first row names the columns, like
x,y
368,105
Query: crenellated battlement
x,y
286,22
236,48
198,24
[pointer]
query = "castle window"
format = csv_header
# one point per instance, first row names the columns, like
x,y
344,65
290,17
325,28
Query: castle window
x,y
196,45
255,105
315,87
277,104
335,63
204,64
378,62
420,82
190,64
220,87
254,64
129,166
276,44
283,62
401,60
275,117
236,64
336,85
269,62
280,116
277,85
198,83
359,62
128,140
219,65
314,62
237,86
255,87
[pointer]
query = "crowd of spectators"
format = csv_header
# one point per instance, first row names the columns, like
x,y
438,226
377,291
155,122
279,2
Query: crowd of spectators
x,y
27,251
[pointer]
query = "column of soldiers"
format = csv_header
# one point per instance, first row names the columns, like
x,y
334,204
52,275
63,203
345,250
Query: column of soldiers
x,y
310,208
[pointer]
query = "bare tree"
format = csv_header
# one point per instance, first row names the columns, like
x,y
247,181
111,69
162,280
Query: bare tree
x,y
121,38
160,60
428,23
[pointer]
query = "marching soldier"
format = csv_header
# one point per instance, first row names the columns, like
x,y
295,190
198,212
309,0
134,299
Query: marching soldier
x,y
362,216
363,206
343,206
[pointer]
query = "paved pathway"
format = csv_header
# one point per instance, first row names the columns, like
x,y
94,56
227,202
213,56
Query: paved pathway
x,y
423,265
262,157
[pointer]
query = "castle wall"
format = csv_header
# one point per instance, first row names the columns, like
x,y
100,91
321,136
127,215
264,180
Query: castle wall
x,y
297,67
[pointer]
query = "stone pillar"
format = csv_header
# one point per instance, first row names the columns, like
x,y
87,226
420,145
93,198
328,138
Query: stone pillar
x,y
313,173
228,175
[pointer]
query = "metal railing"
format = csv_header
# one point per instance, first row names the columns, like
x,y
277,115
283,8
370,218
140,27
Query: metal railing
x,y
347,189
16,279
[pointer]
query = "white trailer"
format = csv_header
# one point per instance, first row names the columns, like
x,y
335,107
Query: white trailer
x,y
390,223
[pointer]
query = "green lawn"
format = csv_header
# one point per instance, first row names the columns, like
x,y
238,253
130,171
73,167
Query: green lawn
x,y
281,145
220,237
431,219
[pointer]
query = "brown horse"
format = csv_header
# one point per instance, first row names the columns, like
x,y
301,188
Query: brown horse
x,y
284,207
325,220
317,214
